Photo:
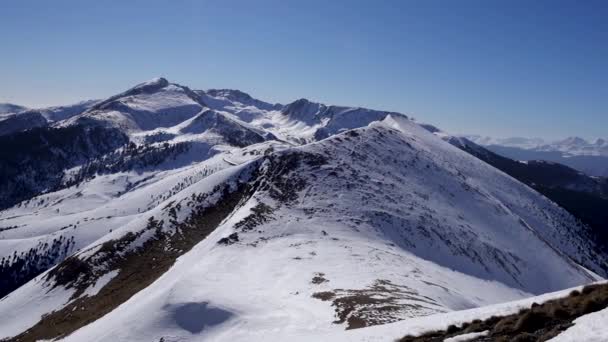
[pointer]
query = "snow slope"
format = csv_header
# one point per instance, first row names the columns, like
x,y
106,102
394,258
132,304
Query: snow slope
x,y
325,218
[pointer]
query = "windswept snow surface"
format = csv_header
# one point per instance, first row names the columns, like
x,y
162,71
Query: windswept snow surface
x,y
355,217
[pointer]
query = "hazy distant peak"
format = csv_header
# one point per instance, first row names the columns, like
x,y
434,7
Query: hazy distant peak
x,y
6,108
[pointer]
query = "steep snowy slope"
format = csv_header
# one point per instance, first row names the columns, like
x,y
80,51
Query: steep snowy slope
x,y
583,196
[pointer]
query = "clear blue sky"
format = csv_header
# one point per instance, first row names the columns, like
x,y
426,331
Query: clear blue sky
x,y
500,68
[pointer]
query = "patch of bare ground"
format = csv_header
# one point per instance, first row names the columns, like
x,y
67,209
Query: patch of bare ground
x,y
138,267
319,278
540,322
382,302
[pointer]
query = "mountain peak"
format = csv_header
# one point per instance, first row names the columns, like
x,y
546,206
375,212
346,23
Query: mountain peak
x,y
152,85
574,141
600,142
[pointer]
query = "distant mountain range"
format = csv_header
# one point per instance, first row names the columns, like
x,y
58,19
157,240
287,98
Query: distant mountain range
x,y
573,146
578,153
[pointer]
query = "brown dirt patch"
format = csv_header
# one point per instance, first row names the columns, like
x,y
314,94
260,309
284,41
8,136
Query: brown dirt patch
x,y
380,303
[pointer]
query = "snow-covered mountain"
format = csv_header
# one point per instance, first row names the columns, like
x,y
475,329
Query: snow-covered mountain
x,y
578,146
14,118
184,214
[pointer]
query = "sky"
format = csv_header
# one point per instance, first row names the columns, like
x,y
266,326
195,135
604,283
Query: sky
x,y
497,68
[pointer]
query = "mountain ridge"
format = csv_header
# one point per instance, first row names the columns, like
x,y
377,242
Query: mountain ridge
x,y
264,219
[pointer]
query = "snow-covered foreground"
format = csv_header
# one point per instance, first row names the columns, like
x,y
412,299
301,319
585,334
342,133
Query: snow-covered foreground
x,y
590,328
278,222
